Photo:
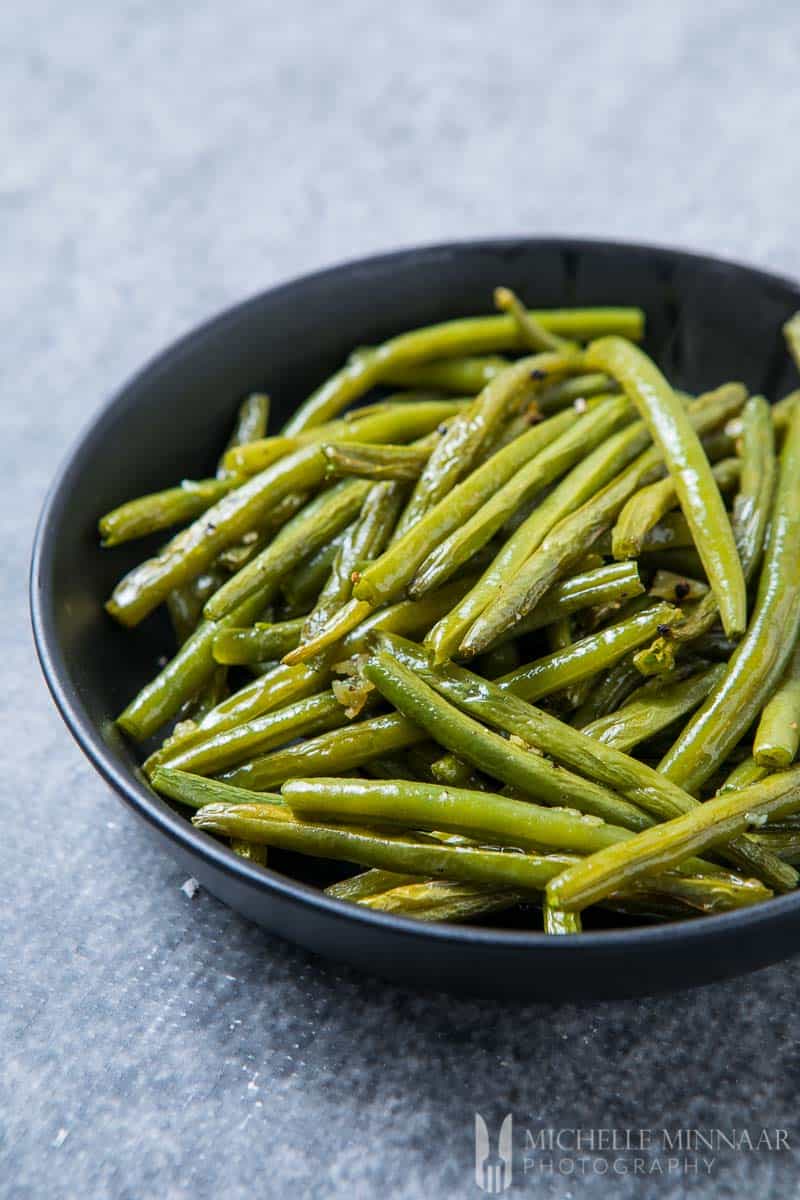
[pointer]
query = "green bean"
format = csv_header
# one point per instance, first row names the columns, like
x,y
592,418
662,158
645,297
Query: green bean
x,y
195,548
647,507
672,531
239,647
750,512
559,638
508,431
429,806
647,712
239,813
608,584
449,769
366,539
219,751
395,852
386,579
571,530
778,734
743,774
159,510
280,686
368,883
496,705
442,900
532,333
551,463
581,483
321,519
695,486
196,792
212,693
492,604
578,388
664,846
589,654
469,335
185,605
557,921
611,690
752,504
657,659
491,753
252,457
700,894
182,677
333,752
464,376
759,660
236,557
395,569
251,425
376,461
303,585
470,431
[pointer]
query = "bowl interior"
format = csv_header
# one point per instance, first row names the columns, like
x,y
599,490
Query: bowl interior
x,y
707,322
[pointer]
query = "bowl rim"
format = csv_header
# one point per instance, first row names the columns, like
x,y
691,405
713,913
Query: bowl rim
x,y
176,828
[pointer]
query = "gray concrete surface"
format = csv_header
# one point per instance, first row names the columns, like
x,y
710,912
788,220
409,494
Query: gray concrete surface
x,y
158,162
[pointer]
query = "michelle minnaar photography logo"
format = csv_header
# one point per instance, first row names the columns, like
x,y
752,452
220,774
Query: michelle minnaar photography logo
x,y
493,1164
503,1155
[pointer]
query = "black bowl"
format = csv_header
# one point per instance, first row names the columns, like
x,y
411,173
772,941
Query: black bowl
x,y
707,321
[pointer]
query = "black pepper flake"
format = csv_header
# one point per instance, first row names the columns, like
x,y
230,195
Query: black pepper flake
x,y
538,374
442,429
682,590
663,630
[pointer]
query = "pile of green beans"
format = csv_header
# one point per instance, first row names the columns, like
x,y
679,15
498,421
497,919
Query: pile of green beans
x,y
500,618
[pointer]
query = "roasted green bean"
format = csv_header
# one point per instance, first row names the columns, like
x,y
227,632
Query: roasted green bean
x,y
650,504
497,706
226,522
655,850
260,643
497,756
569,530
778,734
376,461
469,335
695,486
551,463
649,711
536,499
469,432
759,660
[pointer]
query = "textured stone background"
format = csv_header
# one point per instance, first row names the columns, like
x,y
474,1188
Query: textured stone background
x,y
157,162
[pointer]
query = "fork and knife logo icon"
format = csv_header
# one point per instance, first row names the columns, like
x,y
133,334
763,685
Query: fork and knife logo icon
x,y
493,1168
